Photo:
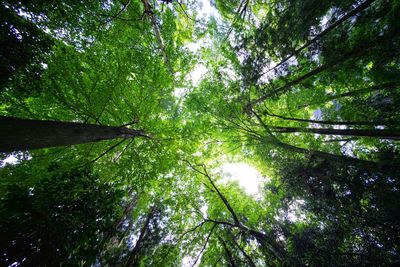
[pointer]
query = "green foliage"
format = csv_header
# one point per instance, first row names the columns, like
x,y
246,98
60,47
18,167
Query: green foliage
x,y
306,91
57,220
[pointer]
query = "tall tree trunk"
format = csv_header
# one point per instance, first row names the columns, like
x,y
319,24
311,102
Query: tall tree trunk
x,y
228,253
356,52
133,255
325,155
378,133
350,14
368,123
248,258
22,134
149,11
271,245
370,89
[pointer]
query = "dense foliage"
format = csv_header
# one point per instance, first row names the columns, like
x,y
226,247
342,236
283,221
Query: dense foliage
x,y
305,91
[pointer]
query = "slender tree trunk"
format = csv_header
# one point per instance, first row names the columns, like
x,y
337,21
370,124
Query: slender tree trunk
x,y
228,253
325,155
368,123
350,14
269,243
22,134
266,242
133,255
370,89
378,133
248,258
354,53
149,11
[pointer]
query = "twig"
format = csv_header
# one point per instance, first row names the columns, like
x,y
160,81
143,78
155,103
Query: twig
x,y
108,150
119,12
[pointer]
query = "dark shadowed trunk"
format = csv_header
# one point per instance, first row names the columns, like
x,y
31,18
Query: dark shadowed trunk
x,y
133,255
374,88
22,134
377,133
328,122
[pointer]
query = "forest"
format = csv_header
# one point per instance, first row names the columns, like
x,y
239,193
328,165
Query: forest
x,y
120,121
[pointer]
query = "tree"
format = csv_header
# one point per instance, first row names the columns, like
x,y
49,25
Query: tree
x,y
57,220
306,91
20,134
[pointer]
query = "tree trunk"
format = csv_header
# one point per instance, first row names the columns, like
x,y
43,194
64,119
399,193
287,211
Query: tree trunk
x,y
358,92
228,253
149,11
378,133
133,255
325,155
368,123
22,134
350,14
356,52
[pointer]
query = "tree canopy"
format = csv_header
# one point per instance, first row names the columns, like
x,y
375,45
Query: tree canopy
x,y
118,117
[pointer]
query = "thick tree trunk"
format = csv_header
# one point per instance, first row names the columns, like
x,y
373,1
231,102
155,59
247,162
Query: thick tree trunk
x,y
22,134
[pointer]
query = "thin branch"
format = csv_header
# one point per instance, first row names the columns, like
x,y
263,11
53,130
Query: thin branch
x,y
189,231
221,222
124,7
205,244
323,33
124,149
251,262
108,150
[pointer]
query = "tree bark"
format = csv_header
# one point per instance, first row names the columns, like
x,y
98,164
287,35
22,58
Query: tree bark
x,y
325,155
378,133
21,134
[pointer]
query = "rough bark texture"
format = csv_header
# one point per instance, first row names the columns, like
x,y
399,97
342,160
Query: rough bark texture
x,y
22,134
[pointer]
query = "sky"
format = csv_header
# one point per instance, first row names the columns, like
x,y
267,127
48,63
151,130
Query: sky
x,y
247,176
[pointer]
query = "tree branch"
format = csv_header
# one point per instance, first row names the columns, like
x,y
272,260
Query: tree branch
x,y
205,244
